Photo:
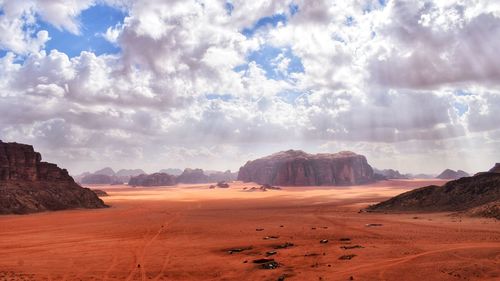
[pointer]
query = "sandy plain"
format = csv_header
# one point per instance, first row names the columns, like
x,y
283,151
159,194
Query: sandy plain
x,y
185,233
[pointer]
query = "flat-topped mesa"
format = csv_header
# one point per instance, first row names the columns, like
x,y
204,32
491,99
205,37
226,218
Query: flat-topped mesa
x,y
298,168
29,185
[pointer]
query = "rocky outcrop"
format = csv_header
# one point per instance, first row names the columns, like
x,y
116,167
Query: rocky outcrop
x,y
156,179
449,174
297,168
458,195
29,185
192,176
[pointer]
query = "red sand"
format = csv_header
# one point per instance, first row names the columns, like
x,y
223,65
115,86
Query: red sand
x,y
183,233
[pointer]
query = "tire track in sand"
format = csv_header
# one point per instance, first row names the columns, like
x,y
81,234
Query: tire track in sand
x,y
141,254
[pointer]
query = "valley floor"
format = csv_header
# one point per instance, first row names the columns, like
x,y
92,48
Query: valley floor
x,y
185,233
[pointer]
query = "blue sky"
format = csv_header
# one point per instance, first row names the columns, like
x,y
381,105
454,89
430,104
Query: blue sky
x,y
94,22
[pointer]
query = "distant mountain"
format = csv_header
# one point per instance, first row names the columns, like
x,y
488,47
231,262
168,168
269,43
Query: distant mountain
x,y
97,179
451,174
422,176
129,172
478,195
217,176
192,176
108,176
171,171
156,179
106,171
390,174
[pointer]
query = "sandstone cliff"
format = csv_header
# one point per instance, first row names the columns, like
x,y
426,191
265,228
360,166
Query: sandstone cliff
x,y
297,168
29,185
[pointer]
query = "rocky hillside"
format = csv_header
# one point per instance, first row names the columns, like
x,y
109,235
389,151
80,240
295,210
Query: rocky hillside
x,y
449,174
297,168
156,179
480,193
28,185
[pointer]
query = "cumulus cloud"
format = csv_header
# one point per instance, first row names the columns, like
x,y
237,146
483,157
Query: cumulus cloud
x,y
395,79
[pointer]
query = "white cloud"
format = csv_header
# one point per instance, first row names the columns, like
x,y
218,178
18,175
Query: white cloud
x,y
376,79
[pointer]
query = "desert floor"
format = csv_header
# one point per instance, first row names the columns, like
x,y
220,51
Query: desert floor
x,y
185,233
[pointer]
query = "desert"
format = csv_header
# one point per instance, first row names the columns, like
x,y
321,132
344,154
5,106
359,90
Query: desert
x,y
186,232
265,140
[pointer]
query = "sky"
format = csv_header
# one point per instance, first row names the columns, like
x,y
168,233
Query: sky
x,y
412,85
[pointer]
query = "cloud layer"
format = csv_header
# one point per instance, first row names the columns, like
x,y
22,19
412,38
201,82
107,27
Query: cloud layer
x,y
212,83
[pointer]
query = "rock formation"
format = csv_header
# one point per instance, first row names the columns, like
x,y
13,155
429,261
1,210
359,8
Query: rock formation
x,y
452,175
156,179
297,168
192,176
29,185
479,194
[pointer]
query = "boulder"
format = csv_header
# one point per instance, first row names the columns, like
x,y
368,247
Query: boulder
x,y
28,185
297,168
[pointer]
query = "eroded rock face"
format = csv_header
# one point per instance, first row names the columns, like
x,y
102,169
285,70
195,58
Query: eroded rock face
x,y
156,179
29,185
297,168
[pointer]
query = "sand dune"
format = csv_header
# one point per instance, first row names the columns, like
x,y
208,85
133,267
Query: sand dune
x,y
185,232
